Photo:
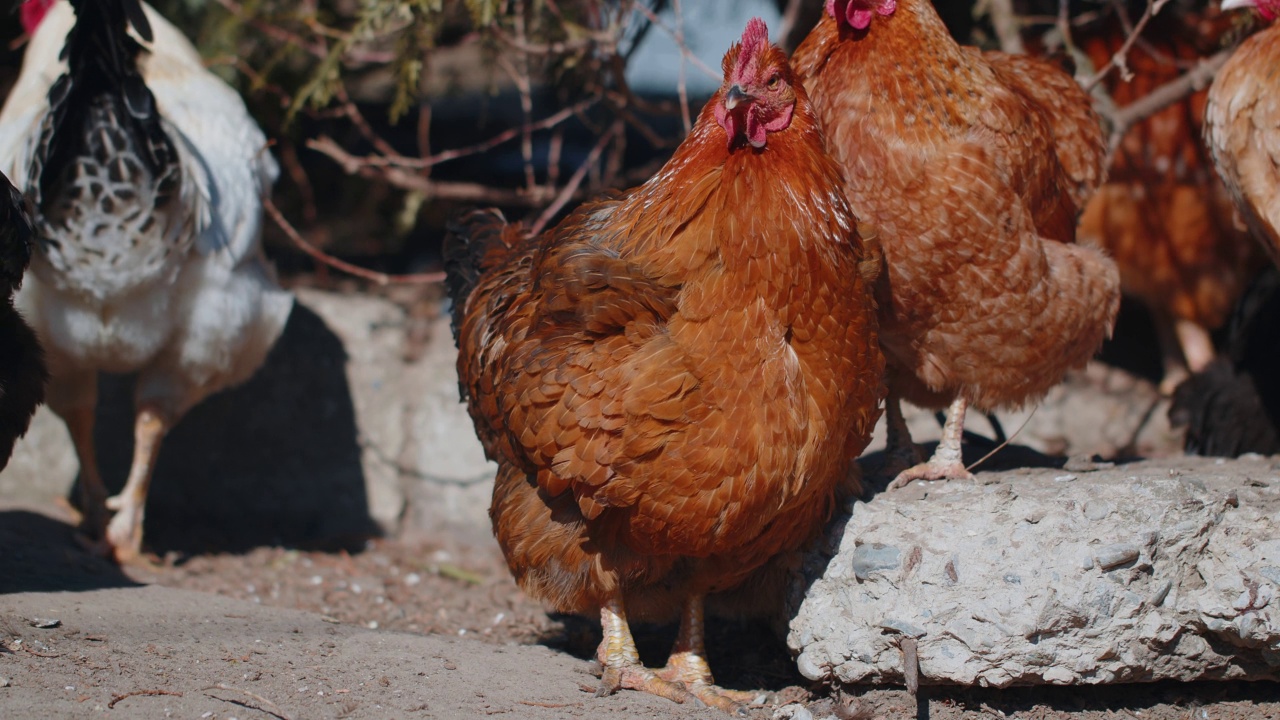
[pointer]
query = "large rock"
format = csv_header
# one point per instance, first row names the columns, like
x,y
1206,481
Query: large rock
x,y
1149,571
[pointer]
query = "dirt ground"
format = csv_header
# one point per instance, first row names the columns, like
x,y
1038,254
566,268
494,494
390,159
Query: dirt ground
x,y
408,629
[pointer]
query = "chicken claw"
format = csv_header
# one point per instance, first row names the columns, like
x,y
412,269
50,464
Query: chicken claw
x,y
621,660
688,665
947,462
685,679
124,532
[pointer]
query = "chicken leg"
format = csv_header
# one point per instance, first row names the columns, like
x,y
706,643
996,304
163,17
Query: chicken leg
x,y
124,533
900,452
947,462
73,396
1186,348
688,664
621,659
92,491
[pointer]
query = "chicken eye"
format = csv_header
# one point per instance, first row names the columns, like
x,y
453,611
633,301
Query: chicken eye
x,y
773,82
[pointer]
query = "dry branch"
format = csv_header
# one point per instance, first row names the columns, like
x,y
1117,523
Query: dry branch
x,y
372,275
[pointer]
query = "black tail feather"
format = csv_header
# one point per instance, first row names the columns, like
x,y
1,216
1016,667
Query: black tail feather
x,y
1233,407
102,62
477,241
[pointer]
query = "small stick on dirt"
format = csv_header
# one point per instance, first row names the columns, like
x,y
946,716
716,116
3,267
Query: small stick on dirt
x,y
910,664
534,703
276,711
117,698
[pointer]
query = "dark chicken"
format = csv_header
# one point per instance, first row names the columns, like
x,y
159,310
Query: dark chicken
x,y
22,370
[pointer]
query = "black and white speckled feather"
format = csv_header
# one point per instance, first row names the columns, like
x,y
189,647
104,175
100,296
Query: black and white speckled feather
x,y
105,176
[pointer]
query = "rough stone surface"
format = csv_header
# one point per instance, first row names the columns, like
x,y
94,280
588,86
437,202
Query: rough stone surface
x,y
1137,572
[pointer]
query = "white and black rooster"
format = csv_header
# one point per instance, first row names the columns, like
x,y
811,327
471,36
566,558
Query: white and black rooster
x,y
146,172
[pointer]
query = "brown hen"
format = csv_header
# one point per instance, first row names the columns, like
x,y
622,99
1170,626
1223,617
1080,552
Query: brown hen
x,y
1163,215
1242,126
973,167
674,381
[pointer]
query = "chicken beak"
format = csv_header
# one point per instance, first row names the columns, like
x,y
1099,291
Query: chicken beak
x,y
735,97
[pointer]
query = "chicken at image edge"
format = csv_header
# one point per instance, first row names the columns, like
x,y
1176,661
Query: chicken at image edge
x,y
1242,126
674,381
1233,407
146,173
973,168
1163,214
22,368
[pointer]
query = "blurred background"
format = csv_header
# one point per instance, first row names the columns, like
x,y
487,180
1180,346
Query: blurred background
x,y
388,115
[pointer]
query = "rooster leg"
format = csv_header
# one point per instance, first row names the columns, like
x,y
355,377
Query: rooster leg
x,y
688,664
124,533
900,452
621,660
93,493
1197,345
73,395
946,463
1172,360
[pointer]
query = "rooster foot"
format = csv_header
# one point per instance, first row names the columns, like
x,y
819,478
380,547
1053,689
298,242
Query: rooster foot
x,y
123,539
1173,377
638,677
935,469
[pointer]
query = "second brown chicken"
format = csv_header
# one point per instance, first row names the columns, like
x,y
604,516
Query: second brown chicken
x,y
972,167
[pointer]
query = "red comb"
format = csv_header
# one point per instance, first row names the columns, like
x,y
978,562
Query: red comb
x,y
755,36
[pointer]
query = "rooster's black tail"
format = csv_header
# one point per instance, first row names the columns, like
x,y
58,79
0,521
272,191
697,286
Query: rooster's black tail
x,y
102,88
477,241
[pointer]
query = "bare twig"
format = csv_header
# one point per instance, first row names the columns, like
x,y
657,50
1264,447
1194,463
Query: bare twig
x,y
682,87
1008,440
380,278
117,698
1193,81
1120,58
684,49
275,710
378,168
910,664
571,187
1008,29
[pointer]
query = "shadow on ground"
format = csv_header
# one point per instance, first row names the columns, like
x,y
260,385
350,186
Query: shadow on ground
x,y
1138,700
275,461
40,554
